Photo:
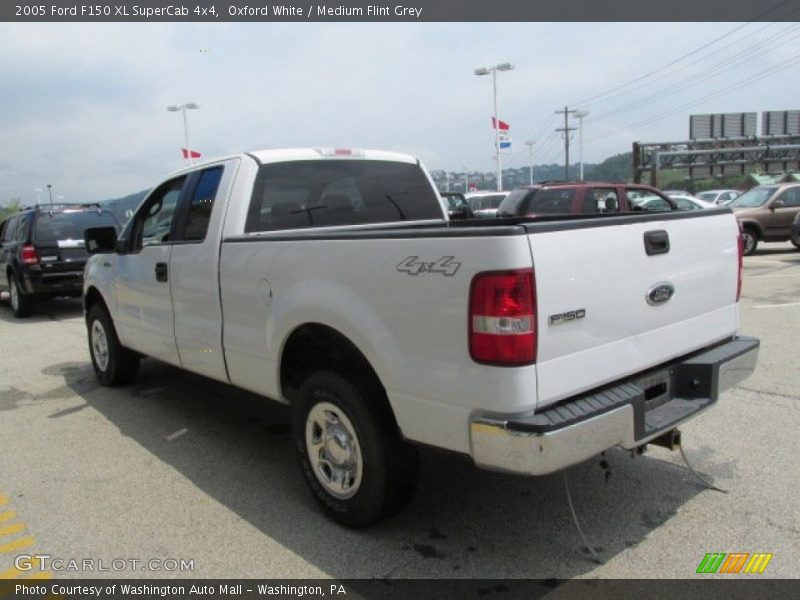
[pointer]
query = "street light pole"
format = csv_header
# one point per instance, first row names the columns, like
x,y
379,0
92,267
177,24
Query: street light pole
x,y
182,108
580,114
529,144
50,193
493,70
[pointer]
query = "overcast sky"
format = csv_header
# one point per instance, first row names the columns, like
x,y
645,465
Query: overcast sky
x,y
83,106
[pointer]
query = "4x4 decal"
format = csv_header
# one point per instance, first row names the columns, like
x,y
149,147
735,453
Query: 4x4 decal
x,y
413,266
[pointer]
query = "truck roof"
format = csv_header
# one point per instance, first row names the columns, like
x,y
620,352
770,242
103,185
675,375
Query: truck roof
x,y
332,153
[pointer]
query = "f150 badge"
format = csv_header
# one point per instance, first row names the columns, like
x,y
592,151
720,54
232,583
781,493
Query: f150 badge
x,y
566,317
446,266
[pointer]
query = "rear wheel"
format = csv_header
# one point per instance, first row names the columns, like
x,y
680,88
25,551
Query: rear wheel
x,y
21,303
353,459
113,363
749,241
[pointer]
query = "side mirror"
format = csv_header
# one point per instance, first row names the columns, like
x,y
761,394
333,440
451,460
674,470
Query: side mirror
x,y
100,240
777,204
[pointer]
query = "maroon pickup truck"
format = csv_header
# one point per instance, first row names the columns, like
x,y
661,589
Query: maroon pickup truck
x,y
582,197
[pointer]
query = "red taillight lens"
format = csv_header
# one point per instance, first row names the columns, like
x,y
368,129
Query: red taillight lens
x,y
741,263
502,318
27,255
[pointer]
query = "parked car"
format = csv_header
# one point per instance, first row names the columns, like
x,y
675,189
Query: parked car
x,y
42,252
691,202
582,197
484,204
333,281
457,205
766,213
722,197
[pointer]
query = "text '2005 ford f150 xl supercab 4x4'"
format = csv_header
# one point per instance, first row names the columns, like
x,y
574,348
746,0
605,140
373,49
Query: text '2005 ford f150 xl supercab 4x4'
x,y
332,280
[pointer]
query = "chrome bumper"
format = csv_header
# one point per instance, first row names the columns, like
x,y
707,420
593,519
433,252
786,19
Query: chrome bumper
x,y
627,414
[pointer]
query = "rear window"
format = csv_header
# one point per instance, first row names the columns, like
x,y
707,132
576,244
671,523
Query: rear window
x,y
551,201
316,193
51,227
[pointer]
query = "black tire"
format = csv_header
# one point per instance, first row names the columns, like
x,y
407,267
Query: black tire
x,y
113,363
383,480
21,303
796,239
749,241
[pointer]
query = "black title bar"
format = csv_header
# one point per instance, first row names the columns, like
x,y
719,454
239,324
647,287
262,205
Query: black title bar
x,y
399,11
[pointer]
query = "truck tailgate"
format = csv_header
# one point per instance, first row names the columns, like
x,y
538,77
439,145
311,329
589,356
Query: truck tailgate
x,y
602,288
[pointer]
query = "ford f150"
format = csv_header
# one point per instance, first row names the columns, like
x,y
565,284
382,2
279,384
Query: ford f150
x,y
332,280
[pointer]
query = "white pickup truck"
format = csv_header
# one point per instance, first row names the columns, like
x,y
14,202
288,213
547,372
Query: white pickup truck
x,y
332,280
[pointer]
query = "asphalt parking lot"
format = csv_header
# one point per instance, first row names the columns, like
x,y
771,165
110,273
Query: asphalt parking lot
x,y
179,467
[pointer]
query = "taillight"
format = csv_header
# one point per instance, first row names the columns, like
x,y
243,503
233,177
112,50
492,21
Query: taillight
x,y
741,263
28,255
502,318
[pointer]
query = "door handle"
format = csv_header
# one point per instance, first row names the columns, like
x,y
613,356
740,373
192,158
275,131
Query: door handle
x,y
656,242
161,271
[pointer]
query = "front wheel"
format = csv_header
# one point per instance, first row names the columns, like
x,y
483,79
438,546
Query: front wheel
x,y
21,303
749,242
352,456
113,363
796,239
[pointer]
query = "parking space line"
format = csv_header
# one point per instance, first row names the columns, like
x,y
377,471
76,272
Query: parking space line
x,y
25,542
777,305
770,275
12,529
11,545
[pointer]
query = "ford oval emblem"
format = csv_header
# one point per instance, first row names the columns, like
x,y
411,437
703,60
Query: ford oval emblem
x,y
660,293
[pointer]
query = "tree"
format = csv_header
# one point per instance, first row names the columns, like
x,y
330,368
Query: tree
x,y
10,207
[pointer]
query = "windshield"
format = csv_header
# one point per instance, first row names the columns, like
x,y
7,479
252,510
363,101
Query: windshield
x,y
756,197
70,225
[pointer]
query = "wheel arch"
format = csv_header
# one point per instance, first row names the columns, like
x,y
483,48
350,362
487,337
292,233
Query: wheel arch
x,y
753,226
316,346
92,297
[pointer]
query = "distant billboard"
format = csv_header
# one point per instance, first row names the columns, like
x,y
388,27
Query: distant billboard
x,y
722,125
780,122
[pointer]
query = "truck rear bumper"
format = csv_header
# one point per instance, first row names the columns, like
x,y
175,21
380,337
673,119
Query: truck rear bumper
x,y
628,413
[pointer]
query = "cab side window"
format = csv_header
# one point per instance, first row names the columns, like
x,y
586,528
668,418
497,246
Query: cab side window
x,y
791,197
201,203
153,223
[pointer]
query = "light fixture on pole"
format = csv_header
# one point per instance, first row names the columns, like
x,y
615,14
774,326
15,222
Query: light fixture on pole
x,y
493,70
580,114
183,108
529,144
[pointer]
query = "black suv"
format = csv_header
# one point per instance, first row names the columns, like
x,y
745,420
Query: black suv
x,y
42,253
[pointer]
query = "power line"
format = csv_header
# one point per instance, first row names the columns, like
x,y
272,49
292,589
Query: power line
x,y
681,58
741,58
744,82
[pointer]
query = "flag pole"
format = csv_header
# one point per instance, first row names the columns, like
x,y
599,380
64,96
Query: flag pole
x,y
186,135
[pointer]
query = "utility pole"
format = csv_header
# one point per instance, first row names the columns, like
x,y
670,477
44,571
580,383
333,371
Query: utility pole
x,y
566,131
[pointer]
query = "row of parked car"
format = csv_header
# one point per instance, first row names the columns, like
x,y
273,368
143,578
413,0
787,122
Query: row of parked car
x,y
42,248
769,213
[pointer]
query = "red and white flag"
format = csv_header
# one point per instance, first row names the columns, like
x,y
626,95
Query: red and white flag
x,y
503,125
190,153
